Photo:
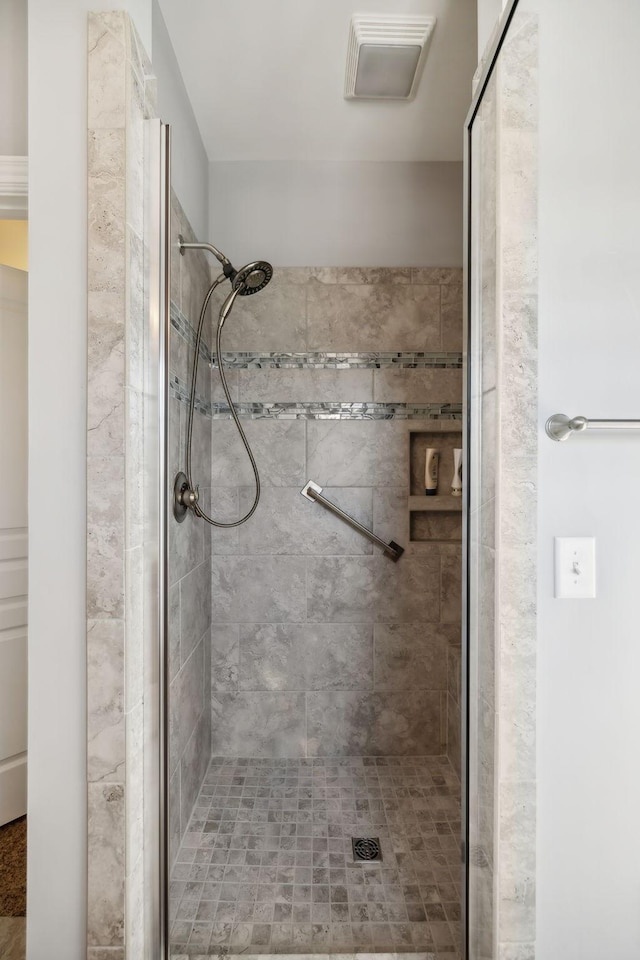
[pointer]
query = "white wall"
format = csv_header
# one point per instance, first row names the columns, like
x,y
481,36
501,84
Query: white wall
x,y
56,912
189,161
488,14
13,78
344,214
589,651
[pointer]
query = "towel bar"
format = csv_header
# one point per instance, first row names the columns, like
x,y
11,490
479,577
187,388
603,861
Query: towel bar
x,y
560,427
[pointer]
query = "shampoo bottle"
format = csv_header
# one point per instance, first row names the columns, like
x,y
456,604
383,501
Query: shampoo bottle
x,y
431,472
456,483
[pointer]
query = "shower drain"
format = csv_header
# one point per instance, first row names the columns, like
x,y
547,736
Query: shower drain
x,y
366,848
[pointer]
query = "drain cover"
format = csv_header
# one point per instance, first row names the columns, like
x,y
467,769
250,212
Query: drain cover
x,y
366,848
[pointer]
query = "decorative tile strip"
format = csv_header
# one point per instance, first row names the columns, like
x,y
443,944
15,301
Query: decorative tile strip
x,y
319,411
340,361
340,411
181,392
182,326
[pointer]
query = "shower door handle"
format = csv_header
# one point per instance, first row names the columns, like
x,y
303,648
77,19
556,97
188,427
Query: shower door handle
x,y
313,492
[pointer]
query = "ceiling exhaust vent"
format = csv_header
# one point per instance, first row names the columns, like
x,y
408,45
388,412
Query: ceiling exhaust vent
x,y
385,56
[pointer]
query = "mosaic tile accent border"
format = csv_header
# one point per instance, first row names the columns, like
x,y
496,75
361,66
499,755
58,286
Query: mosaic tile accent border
x,y
187,331
341,361
319,410
245,360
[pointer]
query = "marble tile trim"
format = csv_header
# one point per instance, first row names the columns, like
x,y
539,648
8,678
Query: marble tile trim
x,y
117,76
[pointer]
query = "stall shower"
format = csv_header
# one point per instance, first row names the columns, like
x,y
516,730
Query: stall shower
x,y
314,684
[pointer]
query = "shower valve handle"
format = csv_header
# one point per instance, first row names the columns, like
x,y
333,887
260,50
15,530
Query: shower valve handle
x,y
191,497
184,497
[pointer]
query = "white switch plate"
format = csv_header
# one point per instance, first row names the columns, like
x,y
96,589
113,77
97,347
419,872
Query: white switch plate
x,y
575,568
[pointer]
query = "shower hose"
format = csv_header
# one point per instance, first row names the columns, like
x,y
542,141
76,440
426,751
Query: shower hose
x,y
194,376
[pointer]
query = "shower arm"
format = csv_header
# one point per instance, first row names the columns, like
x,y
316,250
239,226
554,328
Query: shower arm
x,y
220,257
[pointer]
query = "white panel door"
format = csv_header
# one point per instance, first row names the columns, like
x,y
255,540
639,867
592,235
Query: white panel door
x,y
13,543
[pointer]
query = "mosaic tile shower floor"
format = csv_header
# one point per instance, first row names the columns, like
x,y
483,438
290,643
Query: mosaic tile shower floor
x,y
266,866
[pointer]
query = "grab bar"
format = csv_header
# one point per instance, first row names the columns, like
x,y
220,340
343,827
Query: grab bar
x,y
560,427
313,492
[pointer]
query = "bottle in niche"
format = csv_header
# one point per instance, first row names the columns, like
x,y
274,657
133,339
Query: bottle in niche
x,y
431,472
456,483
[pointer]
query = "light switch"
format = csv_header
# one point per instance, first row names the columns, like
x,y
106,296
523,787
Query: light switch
x,y
575,567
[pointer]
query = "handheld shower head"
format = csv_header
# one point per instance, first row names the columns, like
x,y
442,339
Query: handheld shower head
x,y
252,278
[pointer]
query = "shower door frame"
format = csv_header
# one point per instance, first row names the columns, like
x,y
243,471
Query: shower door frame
x,y
156,939
159,759
489,62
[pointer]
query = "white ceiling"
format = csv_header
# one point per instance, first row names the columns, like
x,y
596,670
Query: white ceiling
x,y
266,78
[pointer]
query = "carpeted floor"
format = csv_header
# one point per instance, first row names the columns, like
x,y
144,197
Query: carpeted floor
x,y
13,868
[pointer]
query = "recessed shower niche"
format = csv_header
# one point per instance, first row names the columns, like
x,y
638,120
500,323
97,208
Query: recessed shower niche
x,y
434,519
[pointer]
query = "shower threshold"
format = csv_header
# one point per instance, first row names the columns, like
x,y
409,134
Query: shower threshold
x,y
267,868
316,956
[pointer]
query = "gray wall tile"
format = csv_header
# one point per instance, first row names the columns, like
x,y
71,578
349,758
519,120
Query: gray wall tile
x,y
175,833
251,589
258,724
175,661
357,453
290,386
410,655
223,507
193,766
439,275
370,724
105,537
105,373
278,446
407,590
272,656
451,310
338,656
287,523
341,589
391,514
195,607
186,703
397,385
454,742
225,656
451,590
286,627
273,320
373,317
306,656
373,275
106,858
105,700
186,546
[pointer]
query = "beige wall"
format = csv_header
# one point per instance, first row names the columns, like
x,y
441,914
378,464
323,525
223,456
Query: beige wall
x,y
13,78
14,243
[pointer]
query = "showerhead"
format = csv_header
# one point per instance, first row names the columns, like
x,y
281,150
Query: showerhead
x,y
252,278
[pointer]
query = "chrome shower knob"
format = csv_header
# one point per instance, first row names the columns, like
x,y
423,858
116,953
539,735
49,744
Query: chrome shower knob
x,y
184,497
